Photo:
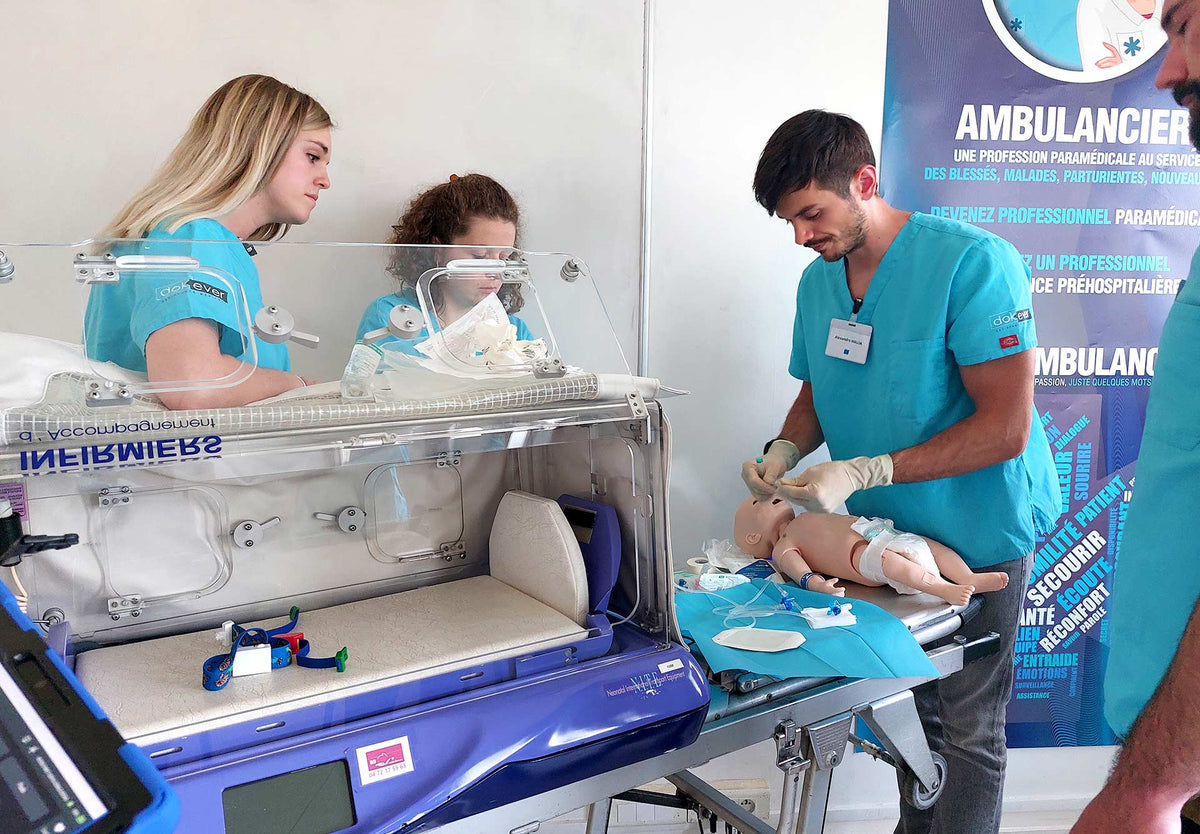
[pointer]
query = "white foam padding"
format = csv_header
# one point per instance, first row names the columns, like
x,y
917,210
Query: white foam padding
x,y
152,690
533,549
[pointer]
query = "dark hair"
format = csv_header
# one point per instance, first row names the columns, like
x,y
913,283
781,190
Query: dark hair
x,y
442,213
814,146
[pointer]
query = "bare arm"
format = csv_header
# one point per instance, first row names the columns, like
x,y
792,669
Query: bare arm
x,y
801,426
190,349
1002,391
1159,767
1161,759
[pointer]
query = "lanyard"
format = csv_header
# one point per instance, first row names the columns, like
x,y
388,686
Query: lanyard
x,y
286,645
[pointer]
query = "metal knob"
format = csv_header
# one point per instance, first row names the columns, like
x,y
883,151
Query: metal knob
x,y
249,533
571,271
404,322
349,519
276,326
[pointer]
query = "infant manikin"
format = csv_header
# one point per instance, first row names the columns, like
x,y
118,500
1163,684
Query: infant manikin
x,y
817,549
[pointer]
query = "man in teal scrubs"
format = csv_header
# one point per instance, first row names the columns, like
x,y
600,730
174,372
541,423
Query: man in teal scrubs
x,y
1152,684
914,335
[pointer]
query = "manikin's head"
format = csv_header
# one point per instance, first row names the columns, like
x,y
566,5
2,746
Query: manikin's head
x,y
758,524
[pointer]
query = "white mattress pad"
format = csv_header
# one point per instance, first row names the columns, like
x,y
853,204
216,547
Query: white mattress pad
x,y
152,690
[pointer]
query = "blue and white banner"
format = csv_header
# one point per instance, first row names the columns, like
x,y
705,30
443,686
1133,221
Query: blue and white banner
x,y
1038,120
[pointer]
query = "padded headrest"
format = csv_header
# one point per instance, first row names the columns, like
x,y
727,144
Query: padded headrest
x,y
534,550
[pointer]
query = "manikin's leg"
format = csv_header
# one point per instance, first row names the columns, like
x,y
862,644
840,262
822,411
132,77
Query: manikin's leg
x,y
956,570
898,567
794,567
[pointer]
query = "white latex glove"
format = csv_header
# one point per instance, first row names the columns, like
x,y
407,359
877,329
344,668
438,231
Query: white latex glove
x,y
821,488
762,474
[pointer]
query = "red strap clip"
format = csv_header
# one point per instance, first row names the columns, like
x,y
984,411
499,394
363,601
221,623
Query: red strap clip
x,y
293,640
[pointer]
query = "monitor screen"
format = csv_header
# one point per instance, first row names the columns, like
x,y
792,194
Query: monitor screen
x,y
315,800
44,792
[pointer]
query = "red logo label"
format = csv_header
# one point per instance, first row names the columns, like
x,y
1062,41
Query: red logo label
x,y
385,757
1007,342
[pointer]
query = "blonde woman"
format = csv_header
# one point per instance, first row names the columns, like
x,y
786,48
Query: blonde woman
x,y
252,163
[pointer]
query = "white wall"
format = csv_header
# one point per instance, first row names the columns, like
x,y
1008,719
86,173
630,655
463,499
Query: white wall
x,y
545,96
723,288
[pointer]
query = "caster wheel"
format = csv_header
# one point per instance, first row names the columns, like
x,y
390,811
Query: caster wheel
x,y
918,796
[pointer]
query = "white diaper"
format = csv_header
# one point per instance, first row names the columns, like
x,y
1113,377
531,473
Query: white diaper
x,y
880,536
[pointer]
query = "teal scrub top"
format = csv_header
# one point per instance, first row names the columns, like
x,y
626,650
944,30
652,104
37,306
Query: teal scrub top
x,y
375,317
120,317
945,294
1157,576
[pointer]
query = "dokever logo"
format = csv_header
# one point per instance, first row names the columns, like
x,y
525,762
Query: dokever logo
x,y
209,289
1012,317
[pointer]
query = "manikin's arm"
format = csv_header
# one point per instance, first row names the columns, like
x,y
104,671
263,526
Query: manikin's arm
x,y
1002,391
190,349
1158,769
790,561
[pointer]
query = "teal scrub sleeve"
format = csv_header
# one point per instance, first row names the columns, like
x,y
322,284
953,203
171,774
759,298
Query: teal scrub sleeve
x,y
990,309
798,365
523,332
211,294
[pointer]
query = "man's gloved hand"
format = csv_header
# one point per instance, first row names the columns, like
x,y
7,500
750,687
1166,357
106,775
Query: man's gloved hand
x,y
762,474
821,488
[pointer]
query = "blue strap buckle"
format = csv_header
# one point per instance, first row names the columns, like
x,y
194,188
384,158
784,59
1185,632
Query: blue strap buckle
x,y
218,669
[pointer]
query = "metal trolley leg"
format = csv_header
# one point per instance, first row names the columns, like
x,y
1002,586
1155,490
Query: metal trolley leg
x,y
814,751
807,756
896,724
598,815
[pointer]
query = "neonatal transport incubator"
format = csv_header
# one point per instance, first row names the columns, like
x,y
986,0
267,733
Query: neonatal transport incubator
x,y
433,590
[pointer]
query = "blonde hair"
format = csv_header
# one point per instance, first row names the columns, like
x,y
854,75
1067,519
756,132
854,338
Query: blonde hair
x,y
230,152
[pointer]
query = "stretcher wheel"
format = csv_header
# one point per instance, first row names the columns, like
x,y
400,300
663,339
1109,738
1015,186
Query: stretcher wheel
x,y
915,794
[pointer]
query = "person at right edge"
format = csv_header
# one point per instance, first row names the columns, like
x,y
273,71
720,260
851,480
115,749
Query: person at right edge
x,y
914,338
1152,683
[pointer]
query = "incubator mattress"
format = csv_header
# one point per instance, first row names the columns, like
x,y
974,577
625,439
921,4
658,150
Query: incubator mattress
x,y
152,690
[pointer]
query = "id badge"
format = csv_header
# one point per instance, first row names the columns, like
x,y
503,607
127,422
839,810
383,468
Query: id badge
x,y
848,340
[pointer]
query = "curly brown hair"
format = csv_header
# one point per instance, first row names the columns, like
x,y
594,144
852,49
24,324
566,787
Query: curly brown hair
x,y
442,213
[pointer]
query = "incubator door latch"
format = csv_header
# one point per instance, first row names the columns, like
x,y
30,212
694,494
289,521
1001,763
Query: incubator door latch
x,y
96,269
249,533
549,369
110,497
404,322
126,606
637,405
276,325
349,519
449,550
106,392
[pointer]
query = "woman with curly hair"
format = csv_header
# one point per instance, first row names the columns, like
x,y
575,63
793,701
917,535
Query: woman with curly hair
x,y
471,216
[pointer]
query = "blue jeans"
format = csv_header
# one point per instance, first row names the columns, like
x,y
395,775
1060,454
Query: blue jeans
x,y
964,721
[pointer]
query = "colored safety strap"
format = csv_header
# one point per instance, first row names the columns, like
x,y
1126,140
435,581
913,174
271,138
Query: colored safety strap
x,y
286,645
338,660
